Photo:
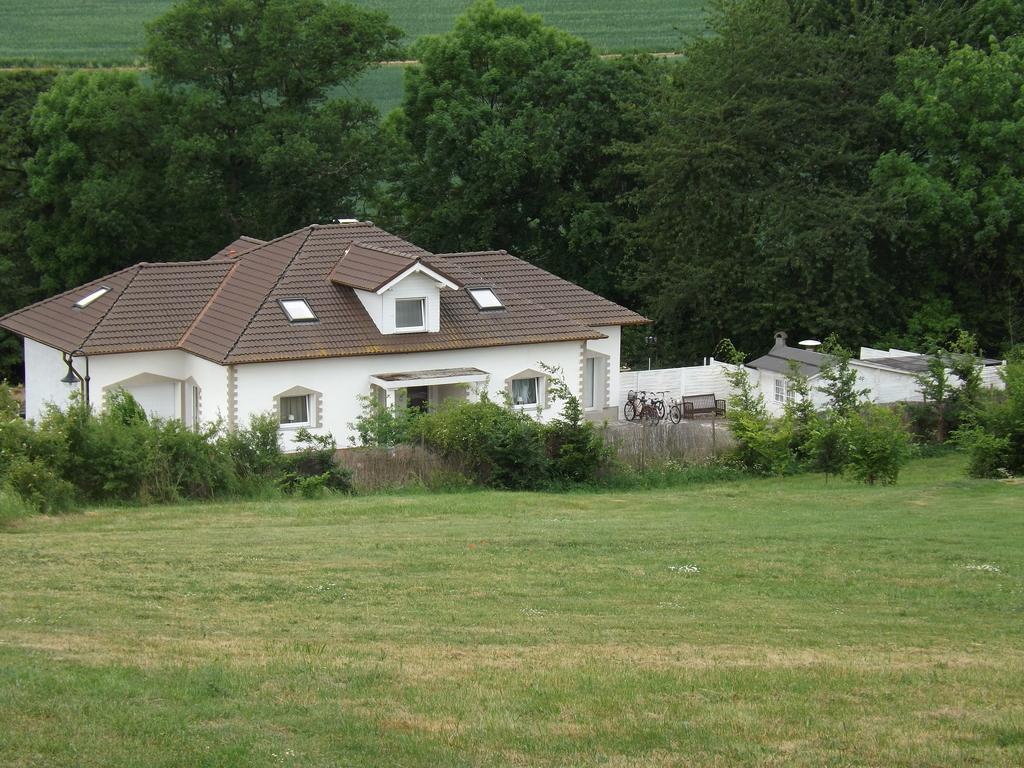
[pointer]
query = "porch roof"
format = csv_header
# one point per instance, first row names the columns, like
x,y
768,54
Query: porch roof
x,y
428,378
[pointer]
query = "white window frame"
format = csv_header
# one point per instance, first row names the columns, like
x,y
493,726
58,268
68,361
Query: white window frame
x,y
590,375
292,318
423,315
780,390
539,387
294,424
89,298
489,300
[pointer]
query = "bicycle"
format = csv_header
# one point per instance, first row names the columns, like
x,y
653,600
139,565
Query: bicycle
x,y
675,410
634,404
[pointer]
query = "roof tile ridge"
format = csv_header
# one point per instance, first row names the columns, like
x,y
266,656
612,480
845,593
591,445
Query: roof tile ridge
x,y
183,339
531,265
382,249
138,270
280,276
68,292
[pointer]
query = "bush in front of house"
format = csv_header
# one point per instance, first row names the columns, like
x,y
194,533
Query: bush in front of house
x,y
994,434
118,455
879,445
314,468
499,446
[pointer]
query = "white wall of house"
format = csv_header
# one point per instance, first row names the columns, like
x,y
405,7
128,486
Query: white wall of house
x,y
44,369
340,381
110,371
607,361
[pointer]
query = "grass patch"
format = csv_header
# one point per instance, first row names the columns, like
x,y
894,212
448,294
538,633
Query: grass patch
x,y
821,624
108,32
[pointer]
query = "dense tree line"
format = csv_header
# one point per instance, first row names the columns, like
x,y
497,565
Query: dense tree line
x,y
814,165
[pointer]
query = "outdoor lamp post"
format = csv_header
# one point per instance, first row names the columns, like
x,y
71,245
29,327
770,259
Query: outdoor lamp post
x,y
73,376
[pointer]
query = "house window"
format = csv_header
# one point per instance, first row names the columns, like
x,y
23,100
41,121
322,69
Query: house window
x,y
525,391
85,301
485,298
409,314
589,376
195,408
298,311
783,392
295,410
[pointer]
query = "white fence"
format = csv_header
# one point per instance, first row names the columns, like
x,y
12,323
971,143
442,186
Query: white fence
x,y
706,379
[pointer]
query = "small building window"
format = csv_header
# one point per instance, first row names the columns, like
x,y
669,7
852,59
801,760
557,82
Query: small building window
x,y
780,390
295,410
409,314
525,391
298,311
85,301
485,298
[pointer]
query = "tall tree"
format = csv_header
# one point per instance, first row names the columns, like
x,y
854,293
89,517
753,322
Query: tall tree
x,y
18,279
96,179
755,191
955,189
259,143
510,130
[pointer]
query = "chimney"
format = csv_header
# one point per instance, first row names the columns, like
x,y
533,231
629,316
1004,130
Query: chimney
x,y
780,338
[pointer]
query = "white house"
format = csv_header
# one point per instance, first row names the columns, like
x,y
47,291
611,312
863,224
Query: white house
x,y
303,325
889,376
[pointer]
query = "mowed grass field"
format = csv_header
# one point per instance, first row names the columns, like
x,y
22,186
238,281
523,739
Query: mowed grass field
x,y
751,623
105,32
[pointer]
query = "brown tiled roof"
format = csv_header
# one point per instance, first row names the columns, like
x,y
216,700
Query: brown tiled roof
x,y
240,246
504,272
56,322
226,309
161,303
369,268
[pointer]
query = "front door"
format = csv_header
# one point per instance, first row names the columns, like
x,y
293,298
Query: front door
x,y
418,398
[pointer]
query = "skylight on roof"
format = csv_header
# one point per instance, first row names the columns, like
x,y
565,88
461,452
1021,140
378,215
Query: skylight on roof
x,y
298,311
485,298
85,301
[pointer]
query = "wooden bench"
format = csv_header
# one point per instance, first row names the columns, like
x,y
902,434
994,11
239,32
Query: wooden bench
x,y
702,405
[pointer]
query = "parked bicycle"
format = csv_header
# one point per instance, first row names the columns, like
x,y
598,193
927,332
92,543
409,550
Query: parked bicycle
x,y
640,407
675,410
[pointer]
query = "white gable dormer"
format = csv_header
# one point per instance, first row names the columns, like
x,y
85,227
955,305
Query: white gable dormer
x,y
408,303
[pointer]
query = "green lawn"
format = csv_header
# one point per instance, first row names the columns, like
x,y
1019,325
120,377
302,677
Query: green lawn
x,y
103,32
822,625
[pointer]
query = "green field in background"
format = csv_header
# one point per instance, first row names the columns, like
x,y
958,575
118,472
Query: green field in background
x,y
103,32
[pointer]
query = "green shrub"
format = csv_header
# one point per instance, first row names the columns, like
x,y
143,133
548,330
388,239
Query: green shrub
x,y
12,506
577,451
379,426
187,464
9,407
759,448
830,445
989,453
994,436
314,467
499,447
879,445
39,486
255,450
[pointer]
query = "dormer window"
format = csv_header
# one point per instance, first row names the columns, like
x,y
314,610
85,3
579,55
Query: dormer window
x,y
410,315
85,301
298,311
485,298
